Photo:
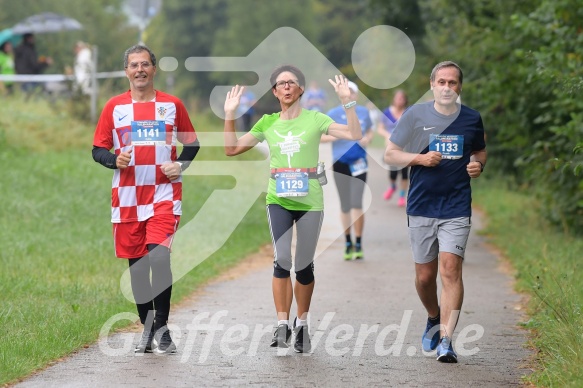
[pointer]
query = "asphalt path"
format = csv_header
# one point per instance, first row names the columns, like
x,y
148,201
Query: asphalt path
x,y
366,321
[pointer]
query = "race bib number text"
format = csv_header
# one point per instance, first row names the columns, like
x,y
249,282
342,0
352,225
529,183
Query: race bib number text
x,y
358,167
148,132
450,146
292,184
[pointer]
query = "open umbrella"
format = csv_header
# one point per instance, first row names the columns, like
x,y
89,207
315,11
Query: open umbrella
x,y
46,22
7,35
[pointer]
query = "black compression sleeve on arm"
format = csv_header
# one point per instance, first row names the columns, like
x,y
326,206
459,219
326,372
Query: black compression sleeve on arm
x,y
188,154
104,157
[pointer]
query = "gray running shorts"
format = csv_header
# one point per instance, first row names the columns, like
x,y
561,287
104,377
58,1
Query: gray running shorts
x,y
429,236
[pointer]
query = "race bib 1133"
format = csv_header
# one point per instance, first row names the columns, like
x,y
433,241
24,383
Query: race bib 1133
x,y
450,146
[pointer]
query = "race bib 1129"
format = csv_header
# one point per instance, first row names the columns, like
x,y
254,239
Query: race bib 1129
x,y
292,184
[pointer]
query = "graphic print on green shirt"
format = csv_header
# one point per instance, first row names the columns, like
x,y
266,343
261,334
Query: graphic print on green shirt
x,y
294,144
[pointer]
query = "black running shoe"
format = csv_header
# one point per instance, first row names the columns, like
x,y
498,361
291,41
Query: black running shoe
x,y
281,336
163,341
145,345
302,342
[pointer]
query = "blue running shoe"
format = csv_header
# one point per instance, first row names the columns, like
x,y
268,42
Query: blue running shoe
x,y
445,351
430,337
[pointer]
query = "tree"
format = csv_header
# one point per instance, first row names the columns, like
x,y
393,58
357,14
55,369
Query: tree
x,y
234,28
522,63
104,25
216,28
404,15
554,70
186,29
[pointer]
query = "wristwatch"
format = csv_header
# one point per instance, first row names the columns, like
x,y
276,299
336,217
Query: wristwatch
x,y
481,166
349,104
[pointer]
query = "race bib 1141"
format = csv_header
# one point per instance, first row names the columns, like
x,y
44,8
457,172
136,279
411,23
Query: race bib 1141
x,y
148,132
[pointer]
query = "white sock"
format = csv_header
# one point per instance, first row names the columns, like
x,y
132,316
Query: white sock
x,y
300,322
286,322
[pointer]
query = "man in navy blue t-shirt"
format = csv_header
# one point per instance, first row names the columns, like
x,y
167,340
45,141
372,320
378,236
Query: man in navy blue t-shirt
x,y
443,142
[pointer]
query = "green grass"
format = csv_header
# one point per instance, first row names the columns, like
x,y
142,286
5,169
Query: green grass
x,y
548,267
59,279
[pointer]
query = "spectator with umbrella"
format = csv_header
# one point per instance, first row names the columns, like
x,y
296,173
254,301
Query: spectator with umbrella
x,y
27,61
26,58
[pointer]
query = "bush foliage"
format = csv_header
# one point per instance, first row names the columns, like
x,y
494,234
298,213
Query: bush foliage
x,y
522,63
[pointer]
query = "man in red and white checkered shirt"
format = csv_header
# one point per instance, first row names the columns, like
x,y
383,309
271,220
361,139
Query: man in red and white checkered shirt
x,y
143,126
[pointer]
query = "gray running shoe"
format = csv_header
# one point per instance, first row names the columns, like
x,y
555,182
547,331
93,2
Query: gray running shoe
x,y
281,337
163,341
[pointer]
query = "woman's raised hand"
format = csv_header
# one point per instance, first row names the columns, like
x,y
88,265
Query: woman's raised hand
x,y
233,99
340,84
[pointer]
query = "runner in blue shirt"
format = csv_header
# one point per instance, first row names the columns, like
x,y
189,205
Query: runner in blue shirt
x,y
314,98
350,167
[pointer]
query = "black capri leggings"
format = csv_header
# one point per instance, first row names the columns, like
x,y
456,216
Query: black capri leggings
x,y
350,188
308,225
393,174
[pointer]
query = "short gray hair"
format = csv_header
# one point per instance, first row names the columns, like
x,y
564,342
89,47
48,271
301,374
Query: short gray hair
x,y
444,64
138,48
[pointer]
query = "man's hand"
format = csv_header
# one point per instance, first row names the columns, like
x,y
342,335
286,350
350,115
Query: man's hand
x,y
474,169
171,170
123,159
430,159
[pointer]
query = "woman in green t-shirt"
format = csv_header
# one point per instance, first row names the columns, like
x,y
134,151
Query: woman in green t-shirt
x,y
7,64
294,195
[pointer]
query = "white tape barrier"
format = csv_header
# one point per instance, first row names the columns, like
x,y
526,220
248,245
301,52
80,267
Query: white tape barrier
x,y
55,77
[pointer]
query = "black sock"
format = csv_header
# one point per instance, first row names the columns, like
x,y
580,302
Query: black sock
x,y
436,319
348,239
358,240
